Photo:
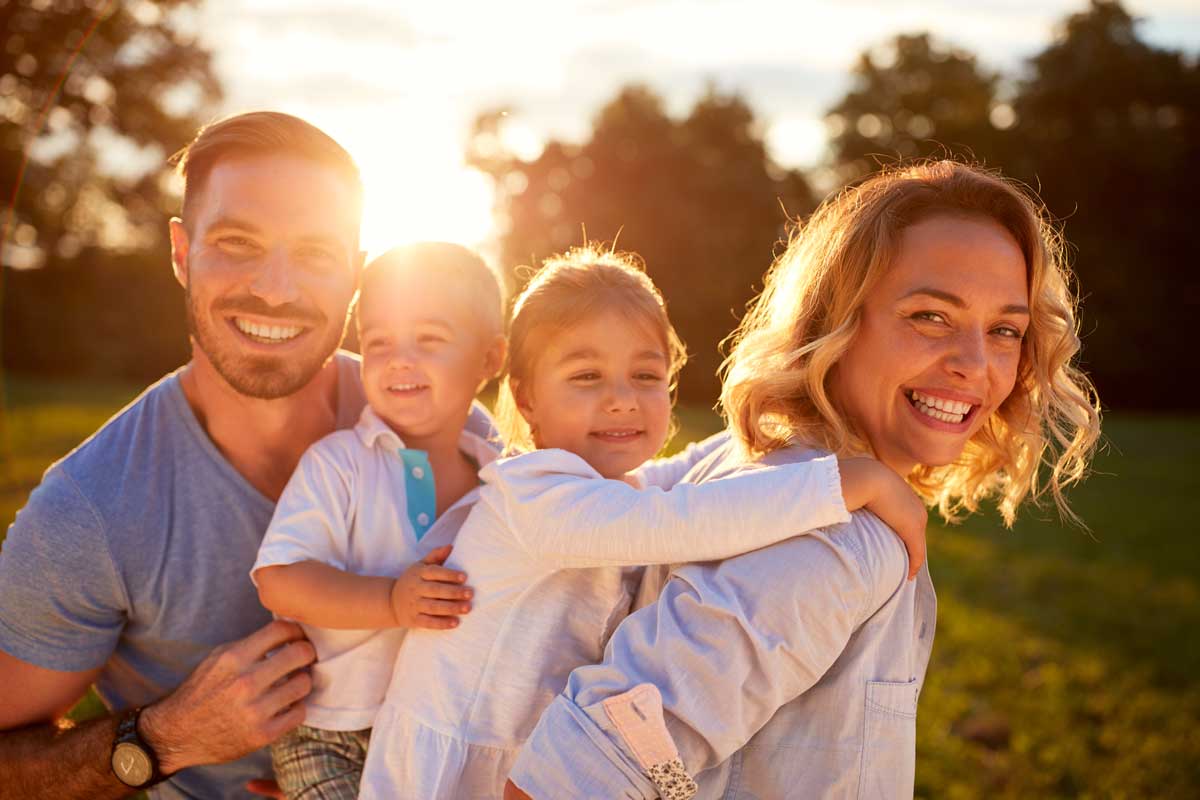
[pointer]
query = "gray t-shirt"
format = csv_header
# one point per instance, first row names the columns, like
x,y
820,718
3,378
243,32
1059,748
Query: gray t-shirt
x,y
134,554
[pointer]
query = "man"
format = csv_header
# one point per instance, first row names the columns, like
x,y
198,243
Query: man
x,y
127,569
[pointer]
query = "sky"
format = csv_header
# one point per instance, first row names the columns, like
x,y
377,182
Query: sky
x,y
398,83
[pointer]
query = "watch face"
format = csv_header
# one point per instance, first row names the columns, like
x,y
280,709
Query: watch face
x,y
131,765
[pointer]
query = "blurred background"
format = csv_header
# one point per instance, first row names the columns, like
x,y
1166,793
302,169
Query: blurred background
x,y
1066,661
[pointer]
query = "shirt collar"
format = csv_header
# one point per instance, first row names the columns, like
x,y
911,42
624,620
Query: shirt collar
x,y
371,429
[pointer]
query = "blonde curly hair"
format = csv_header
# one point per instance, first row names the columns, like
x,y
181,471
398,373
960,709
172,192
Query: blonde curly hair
x,y
571,287
775,379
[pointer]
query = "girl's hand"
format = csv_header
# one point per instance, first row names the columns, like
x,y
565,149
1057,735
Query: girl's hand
x,y
867,483
429,595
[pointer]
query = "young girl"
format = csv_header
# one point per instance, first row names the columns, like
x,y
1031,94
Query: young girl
x,y
554,544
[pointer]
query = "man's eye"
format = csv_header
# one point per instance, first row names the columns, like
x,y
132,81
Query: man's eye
x,y
235,243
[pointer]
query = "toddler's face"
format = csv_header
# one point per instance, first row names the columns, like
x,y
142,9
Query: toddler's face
x,y
600,390
424,354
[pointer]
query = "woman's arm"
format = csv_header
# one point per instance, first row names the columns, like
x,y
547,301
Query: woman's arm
x,y
723,649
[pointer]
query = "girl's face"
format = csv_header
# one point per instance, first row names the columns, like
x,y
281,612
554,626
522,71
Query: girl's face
x,y
600,390
939,342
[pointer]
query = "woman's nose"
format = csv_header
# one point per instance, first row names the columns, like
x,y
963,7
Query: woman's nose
x,y
968,358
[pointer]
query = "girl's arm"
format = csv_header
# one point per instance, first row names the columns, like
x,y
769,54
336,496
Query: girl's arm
x,y
666,472
577,519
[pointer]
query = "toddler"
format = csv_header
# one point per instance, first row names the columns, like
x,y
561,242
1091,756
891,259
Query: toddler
x,y
354,550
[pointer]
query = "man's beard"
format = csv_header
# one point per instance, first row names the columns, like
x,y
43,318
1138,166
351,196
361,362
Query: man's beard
x,y
263,377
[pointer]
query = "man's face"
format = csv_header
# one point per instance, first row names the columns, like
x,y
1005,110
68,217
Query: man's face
x,y
269,261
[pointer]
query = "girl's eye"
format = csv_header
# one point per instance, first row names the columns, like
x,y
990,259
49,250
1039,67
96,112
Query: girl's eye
x,y
648,377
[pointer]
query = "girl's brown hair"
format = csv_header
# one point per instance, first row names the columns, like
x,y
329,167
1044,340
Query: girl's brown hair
x,y
571,287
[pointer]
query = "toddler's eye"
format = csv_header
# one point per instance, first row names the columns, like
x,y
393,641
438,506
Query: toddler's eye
x,y
584,377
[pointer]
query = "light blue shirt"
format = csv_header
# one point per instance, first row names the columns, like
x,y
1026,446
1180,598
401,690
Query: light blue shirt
x,y
791,671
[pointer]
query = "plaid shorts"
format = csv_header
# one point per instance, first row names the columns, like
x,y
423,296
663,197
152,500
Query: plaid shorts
x,y
312,764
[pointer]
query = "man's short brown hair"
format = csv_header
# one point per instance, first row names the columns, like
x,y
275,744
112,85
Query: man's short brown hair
x,y
259,133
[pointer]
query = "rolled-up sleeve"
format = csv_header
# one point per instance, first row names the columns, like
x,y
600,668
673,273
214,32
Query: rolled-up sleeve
x,y
727,645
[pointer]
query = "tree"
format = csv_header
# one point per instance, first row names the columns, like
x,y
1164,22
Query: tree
x,y
697,197
1108,127
91,90
913,98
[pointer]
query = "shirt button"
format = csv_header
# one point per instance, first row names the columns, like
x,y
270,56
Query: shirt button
x,y
422,519
418,473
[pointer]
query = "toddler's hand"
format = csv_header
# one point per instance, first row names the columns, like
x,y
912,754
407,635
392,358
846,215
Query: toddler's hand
x,y
869,483
429,595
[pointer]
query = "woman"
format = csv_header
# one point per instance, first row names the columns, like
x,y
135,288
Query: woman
x,y
924,317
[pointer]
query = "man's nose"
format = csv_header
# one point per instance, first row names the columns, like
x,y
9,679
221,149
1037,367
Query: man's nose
x,y
275,282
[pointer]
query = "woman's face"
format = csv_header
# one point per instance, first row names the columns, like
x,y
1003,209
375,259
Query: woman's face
x,y
939,343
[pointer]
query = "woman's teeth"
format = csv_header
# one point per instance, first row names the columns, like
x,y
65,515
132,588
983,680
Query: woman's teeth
x,y
952,411
271,333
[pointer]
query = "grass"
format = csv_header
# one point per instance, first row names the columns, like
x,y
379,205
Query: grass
x,y
1065,663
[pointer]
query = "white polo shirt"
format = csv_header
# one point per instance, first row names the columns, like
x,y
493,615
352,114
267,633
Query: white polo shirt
x,y
362,502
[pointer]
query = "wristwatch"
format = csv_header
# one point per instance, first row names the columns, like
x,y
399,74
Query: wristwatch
x,y
133,761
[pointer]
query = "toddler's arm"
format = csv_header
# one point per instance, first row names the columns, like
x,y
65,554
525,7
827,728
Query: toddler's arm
x,y
303,571
426,595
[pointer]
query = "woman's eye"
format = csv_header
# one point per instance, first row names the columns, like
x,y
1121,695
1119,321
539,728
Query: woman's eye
x,y
928,316
1009,333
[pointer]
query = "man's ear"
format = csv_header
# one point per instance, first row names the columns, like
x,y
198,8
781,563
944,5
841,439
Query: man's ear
x,y
179,250
360,258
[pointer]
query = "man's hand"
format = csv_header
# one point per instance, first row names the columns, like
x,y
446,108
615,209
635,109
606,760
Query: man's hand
x,y
429,595
241,697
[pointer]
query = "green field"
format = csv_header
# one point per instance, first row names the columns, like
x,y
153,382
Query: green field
x,y
1066,664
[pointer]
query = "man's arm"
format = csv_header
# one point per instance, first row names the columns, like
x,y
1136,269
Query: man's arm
x,y
242,696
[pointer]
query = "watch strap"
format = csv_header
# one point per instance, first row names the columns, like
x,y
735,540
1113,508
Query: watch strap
x,y
127,733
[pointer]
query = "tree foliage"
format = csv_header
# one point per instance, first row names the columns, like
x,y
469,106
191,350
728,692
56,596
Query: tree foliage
x,y
914,97
696,197
95,95
1107,128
